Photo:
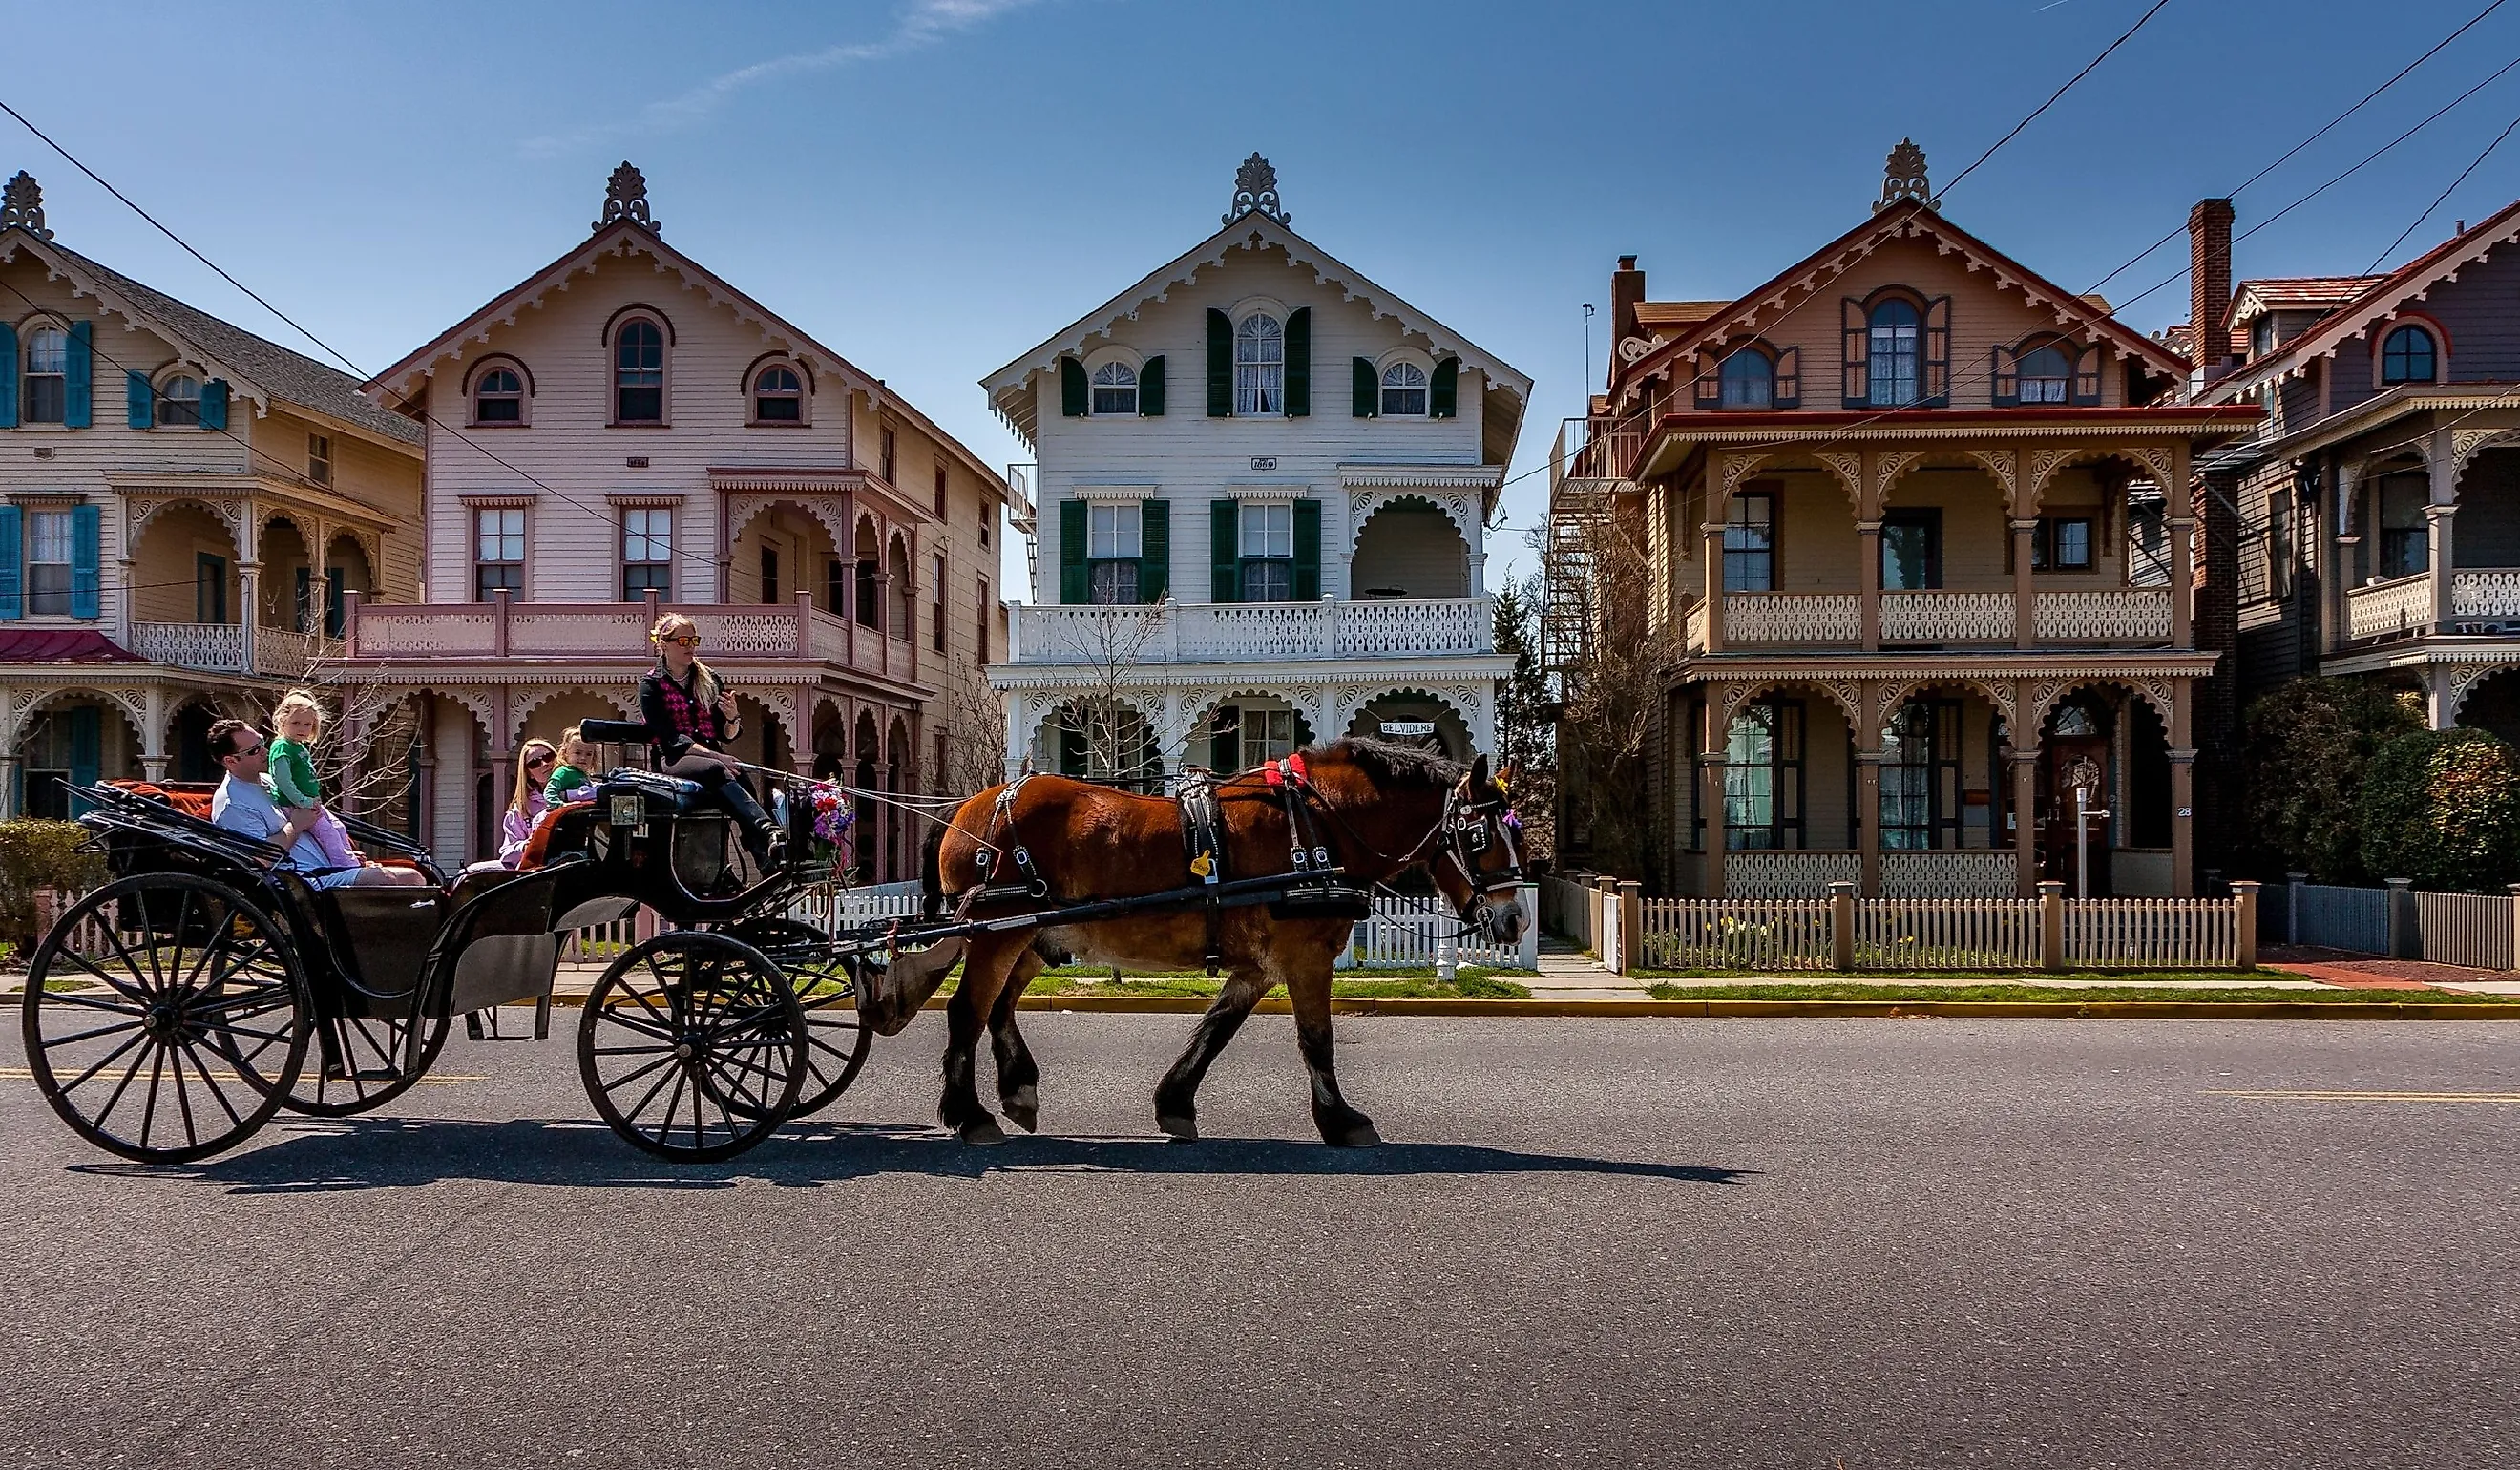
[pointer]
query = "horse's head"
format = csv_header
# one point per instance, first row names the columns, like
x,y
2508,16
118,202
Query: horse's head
x,y
1477,856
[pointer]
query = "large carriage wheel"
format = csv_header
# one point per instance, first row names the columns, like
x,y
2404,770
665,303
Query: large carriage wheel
x,y
837,1037
362,1062
693,1046
188,1023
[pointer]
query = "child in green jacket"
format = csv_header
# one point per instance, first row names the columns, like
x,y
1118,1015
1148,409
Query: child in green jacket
x,y
577,756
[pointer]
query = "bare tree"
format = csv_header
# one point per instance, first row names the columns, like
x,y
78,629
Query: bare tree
x,y
1117,737
970,723
1611,677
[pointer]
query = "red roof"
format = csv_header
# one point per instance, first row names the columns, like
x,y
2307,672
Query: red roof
x,y
2301,292
62,645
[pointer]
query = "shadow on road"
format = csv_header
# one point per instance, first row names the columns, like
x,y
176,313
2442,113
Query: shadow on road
x,y
385,1153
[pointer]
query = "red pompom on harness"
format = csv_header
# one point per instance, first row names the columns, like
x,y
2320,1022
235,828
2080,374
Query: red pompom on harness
x,y
1288,772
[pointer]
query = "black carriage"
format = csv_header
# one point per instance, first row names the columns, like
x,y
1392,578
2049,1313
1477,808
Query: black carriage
x,y
169,1013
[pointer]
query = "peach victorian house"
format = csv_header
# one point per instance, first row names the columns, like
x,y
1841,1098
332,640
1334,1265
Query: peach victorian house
x,y
1923,538
624,433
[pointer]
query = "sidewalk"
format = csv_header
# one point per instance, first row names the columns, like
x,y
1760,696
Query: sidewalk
x,y
2353,972
1567,973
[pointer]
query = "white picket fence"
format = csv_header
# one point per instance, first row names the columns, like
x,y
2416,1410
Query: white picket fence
x,y
1946,934
1571,909
2152,934
2470,929
1737,934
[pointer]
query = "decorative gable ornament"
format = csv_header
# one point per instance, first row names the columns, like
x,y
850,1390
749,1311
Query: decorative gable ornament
x,y
1255,191
21,207
625,198
1905,179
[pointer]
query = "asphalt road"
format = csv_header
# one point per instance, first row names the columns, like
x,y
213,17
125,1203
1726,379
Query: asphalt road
x,y
1754,1243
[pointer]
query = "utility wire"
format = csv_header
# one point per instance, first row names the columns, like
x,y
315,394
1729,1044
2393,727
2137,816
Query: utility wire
x,y
2088,69
2472,166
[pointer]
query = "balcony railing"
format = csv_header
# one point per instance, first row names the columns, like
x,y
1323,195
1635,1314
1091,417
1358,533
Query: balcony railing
x,y
219,649
1248,632
619,631
2404,605
2486,593
2115,615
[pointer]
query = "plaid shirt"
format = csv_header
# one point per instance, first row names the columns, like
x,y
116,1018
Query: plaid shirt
x,y
676,719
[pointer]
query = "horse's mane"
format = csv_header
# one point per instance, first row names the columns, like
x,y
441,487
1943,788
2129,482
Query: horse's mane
x,y
1391,764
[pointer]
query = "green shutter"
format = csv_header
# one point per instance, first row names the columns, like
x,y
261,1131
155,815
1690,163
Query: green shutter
x,y
1223,552
1220,365
11,566
87,536
1150,388
1299,362
1444,390
139,403
78,409
1364,388
8,376
86,744
215,404
1071,387
1308,551
1074,585
1155,550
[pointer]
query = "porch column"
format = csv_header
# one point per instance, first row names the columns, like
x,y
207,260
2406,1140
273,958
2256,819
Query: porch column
x,y
125,614
2337,558
2439,713
2181,505
2182,793
9,778
1867,820
1714,585
1019,733
2437,530
1478,574
153,734
1710,793
250,592
2025,617
1867,571
801,730
2025,819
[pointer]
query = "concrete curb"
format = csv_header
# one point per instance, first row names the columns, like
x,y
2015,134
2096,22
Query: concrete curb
x,y
2094,1011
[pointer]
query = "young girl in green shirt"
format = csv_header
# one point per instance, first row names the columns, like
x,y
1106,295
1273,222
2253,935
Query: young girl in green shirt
x,y
295,723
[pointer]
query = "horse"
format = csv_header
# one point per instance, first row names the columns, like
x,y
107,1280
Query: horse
x,y
1379,808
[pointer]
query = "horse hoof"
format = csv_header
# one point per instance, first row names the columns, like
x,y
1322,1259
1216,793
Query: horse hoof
x,y
982,1134
1351,1133
1023,1110
1181,1126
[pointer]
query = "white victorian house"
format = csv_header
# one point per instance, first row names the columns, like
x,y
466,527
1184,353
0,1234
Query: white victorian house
x,y
1263,484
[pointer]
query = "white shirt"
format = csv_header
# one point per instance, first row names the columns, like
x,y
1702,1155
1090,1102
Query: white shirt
x,y
248,807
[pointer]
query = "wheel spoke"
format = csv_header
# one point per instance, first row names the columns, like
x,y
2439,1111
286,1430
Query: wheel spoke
x,y
210,950
183,1096
627,1023
89,1036
130,1006
104,1063
148,1105
211,1082
119,1087
133,989
623,1081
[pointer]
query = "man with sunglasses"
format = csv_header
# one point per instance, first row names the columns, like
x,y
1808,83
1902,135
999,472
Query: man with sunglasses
x,y
244,803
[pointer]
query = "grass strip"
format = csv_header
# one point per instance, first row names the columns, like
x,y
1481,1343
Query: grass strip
x,y
2052,995
1469,985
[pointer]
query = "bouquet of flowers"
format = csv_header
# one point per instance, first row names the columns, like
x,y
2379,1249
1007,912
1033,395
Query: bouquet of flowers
x,y
833,820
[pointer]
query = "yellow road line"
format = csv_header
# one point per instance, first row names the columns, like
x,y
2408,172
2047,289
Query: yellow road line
x,y
432,1081
2275,1093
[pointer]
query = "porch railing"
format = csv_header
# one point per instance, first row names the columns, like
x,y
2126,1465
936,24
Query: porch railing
x,y
1952,872
511,629
1805,873
2107,616
219,647
1790,618
2093,615
1946,617
2390,609
1238,632
2484,592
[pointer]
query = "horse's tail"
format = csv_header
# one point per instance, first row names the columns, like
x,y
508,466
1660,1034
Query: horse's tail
x,y
931,873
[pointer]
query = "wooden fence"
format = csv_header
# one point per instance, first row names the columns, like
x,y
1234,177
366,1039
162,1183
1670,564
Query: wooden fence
x,y
1570,910
1959,934
2155,934
2471,929
1946,934
1737,934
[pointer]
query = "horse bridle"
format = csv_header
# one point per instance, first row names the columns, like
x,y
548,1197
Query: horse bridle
x,y
1468,825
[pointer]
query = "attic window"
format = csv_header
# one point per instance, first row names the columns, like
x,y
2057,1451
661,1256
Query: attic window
x,y
2406,356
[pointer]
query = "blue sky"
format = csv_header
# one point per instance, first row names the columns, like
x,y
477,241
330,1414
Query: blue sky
x,y
932,186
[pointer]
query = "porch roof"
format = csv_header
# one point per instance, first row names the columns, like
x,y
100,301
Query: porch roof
x,y
62,645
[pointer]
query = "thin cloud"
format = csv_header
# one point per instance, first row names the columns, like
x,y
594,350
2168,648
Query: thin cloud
x,y
921,23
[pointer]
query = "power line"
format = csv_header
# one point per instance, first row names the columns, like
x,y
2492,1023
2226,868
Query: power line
x,y
2088,69
2472,166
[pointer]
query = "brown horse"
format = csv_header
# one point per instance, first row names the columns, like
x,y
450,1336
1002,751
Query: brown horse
x,y
1379,809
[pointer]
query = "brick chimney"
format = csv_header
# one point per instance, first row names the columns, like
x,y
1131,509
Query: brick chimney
x,y
1627,288
2209,285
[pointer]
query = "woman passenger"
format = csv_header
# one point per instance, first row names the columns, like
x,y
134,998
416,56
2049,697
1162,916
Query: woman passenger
x,y
691,717
533,768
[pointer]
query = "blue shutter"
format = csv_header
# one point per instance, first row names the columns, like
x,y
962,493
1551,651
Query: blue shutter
x,y
140,405
78,410
86,744
215,404
87,536
13,605
8,376
333,604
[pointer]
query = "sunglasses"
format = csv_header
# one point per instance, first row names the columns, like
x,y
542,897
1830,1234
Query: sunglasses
x,y
253,749
682,640
532,761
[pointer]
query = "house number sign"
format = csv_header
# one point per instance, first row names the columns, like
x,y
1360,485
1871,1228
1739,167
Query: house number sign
x,y
1264,462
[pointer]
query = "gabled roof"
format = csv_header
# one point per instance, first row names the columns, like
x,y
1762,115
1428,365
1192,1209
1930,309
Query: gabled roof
x,y
2295,294
1010,387
629,236
2076,314
1676,313
2380,302
260,370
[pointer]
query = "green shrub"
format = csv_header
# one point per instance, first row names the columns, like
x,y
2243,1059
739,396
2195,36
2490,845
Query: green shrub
x,y
36,854
2443,808
2307,747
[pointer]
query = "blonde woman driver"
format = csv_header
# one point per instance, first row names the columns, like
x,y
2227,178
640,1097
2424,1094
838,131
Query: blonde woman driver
x,y
690,718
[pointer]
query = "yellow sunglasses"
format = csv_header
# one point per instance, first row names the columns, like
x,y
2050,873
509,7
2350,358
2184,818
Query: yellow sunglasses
x,y
682,640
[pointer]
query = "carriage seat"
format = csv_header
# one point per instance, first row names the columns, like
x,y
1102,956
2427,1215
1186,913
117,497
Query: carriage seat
x,y
192,798
667,795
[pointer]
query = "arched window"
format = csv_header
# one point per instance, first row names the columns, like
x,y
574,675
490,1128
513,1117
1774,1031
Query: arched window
x,y
1260,365
1404,390
778,395
2046,375
1749,380
638,373
48,367
1893,355
2406,356
1116,389
179,401
499,397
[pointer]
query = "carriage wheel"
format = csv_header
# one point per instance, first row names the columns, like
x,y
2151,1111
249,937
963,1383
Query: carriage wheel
x,y
189,1025
837,1037
693,1046
363,1062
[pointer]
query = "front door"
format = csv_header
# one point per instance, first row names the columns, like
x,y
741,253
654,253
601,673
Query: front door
x,y
2064,763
